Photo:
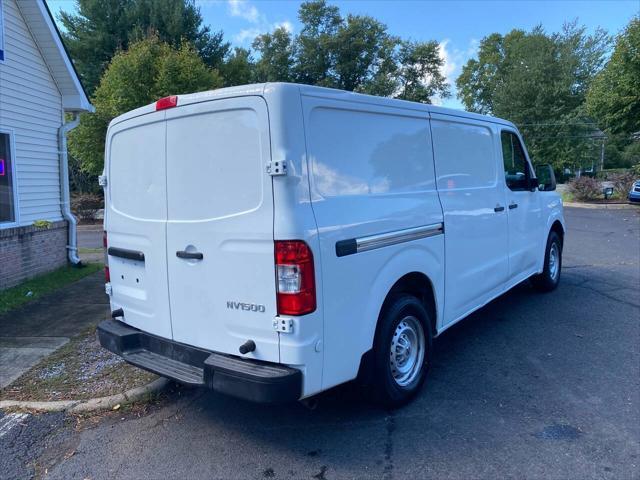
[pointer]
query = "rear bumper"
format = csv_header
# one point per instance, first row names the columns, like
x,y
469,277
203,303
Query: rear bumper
x,y
252,380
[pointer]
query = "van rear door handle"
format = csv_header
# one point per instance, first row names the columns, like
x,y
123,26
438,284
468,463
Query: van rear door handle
x,y
499,208
512,206
189,255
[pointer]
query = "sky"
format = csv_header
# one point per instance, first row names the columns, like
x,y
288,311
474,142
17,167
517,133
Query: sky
x,y
457,25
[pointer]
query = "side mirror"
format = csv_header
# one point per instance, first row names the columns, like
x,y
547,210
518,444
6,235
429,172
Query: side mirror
x,y
533,184
546,178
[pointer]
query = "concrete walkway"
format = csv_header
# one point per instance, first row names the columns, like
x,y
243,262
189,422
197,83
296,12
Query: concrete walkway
x,y
38,328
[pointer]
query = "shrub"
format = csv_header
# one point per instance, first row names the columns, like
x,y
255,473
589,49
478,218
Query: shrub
x,y
46,224
622,182
86,205
585,188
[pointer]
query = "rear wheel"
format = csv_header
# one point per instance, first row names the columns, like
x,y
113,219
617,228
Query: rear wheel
x,y
550,277
402,351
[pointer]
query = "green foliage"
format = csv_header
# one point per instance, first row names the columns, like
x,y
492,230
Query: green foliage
x,y
419,75
276,56
149,70
614,97
631,154
539,81
355,53
102,27
238,68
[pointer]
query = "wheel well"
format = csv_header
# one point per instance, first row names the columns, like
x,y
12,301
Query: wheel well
x,y
418,285
557,227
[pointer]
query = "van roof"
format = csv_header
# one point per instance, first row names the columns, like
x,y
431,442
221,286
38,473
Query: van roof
x,y
312,91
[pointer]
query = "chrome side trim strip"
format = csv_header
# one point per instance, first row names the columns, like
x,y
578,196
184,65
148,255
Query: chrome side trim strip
x,y
371,242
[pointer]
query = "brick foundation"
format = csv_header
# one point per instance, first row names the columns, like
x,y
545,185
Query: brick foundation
x,y
29,251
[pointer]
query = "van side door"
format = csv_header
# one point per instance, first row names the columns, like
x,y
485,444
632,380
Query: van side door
x,y
475,217
524,208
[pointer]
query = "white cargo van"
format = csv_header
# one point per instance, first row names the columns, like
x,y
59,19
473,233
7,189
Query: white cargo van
x,y
273,241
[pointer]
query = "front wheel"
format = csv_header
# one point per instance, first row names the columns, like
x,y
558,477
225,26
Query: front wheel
x,y
550,277
402,351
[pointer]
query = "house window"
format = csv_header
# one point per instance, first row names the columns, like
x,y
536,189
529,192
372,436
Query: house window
x,y
7,206
1,34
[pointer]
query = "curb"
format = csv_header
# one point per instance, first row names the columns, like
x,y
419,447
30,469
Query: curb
x,y
598,205
91,405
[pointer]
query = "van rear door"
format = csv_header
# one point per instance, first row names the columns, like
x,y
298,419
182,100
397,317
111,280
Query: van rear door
x,y
220,226
136,216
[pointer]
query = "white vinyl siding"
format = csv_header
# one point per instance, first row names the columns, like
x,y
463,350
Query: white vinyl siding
x,y
31,107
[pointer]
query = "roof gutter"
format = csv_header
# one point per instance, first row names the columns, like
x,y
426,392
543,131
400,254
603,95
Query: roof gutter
x,y
65,200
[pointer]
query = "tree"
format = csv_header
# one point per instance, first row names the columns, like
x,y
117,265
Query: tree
x,y
320,23
149,70
355,53
539,81
276,56
419,74
614,96
363,50
238,69
102,27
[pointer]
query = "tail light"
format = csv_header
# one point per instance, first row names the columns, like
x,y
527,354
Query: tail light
x,y
107,276
167,102
296,284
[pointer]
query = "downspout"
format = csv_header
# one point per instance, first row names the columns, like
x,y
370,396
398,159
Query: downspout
x,y
65,203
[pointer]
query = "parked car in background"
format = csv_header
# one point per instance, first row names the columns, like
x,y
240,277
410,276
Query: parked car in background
x,y
273,241
634,193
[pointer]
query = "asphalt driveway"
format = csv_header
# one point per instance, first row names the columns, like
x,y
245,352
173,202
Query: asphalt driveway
x,y
531,386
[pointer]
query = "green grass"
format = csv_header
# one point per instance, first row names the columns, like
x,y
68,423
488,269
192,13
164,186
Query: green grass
x,y
15,296
567,196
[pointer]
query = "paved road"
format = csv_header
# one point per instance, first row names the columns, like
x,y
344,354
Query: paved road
x,y
531,386
90,236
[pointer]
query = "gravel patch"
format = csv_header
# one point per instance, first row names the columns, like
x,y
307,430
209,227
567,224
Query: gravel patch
x,y
79,370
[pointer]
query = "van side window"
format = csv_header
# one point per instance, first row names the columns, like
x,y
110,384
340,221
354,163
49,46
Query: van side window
x,y
368,153
516,167
465,155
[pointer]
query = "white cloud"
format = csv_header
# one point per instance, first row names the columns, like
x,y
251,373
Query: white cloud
x,y
287,25
242,9
245,10
247,35
454,59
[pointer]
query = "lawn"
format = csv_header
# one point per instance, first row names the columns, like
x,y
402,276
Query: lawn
x,y
36,287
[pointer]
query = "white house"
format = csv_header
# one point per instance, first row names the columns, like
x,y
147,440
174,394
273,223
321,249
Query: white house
x,y
38,86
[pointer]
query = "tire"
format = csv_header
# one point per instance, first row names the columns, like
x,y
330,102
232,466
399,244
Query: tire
x,y
398,372
549,279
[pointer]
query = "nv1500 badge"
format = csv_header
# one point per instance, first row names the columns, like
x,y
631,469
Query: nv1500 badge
x,y
249,307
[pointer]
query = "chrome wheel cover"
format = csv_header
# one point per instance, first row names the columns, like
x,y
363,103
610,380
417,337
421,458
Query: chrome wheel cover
x,y
554,261
407,350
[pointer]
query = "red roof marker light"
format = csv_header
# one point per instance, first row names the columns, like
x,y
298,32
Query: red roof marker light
x,y
167,102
